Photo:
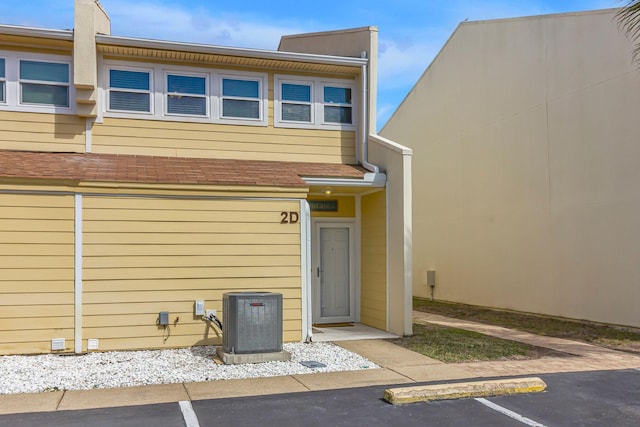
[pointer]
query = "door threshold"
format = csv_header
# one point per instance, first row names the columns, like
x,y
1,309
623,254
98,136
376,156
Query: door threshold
x,y
333,325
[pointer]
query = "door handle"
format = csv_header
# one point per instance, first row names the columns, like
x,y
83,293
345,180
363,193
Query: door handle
x,y
318,272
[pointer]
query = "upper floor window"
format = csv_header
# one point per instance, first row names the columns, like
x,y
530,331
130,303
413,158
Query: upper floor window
x,y
314,103
186,95
337,105
129,90
296,102
182,93
3,83
44,83
36,82
240,98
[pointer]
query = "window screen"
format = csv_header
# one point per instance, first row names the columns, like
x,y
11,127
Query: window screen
x,y
2,80
186,95
240,98
44,83
240,88
122,79
129,90
296,102
337,105
44,71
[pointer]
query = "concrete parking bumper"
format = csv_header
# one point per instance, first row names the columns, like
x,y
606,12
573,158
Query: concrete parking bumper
x,y
405,395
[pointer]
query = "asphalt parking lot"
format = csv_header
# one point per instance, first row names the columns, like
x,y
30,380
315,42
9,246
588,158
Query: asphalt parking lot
x,y
598,398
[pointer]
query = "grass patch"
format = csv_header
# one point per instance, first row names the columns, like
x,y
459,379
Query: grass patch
x,y
618,338
452,345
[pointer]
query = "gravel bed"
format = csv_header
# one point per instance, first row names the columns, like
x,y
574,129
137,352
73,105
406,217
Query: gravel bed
x,y
50,372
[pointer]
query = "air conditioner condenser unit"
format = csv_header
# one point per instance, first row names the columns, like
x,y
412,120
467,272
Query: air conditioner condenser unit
x,y
252,327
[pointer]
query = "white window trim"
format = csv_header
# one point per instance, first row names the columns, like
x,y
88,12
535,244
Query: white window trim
x,y
44,83
12,83
150,91
321,101
159,93
278,96
166,94
262,93
317,96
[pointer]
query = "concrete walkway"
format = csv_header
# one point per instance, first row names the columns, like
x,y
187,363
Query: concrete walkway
x,y
398,366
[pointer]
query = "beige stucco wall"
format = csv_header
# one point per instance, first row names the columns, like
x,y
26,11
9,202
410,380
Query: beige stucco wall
x,y
525,134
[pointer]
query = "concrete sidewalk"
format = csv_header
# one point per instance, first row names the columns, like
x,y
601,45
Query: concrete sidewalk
x,y
398,366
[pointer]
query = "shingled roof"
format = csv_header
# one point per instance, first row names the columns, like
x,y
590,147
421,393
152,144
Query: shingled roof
x,y
90,167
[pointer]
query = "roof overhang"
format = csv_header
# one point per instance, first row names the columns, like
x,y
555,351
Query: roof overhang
x,y
193,52
45,33
196,52
36,38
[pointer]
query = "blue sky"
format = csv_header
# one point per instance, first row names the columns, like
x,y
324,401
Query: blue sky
x,y
411,32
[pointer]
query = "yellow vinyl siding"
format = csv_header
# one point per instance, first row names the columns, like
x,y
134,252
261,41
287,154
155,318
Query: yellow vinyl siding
x,y
41,132
146,255
206,140
36,272
373,305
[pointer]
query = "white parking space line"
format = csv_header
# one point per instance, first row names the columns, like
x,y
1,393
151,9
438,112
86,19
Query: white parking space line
x,y
508,413
190,418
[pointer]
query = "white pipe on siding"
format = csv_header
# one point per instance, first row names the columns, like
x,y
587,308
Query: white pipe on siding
x,y
364,122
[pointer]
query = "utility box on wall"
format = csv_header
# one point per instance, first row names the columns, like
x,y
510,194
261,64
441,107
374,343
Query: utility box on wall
x,y
252,322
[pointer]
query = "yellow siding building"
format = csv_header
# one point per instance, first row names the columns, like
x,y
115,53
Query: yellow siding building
x,y
140,176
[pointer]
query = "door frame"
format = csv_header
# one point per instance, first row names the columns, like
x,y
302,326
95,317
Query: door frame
x,y
317,224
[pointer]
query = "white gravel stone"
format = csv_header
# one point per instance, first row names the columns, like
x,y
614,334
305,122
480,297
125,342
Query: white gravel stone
x,y
50,372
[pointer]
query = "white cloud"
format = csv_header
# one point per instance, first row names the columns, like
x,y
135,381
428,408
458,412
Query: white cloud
x,y
165,22
383,113
400,64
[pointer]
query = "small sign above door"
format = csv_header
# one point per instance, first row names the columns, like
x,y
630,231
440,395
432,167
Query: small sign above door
x,y
323,205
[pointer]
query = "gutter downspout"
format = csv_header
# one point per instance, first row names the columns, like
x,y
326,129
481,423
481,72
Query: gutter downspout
x,y
364,156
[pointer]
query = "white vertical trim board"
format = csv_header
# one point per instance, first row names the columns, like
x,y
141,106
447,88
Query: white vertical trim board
x,y
305,269
388,256
407,220
87,134
358,254
78,273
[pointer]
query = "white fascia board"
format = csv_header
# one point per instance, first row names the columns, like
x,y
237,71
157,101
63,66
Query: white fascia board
x,y
44,33
231,51
378,180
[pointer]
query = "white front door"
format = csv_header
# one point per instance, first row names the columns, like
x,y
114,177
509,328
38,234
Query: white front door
x,y
333,273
